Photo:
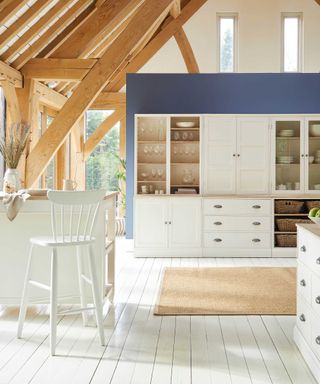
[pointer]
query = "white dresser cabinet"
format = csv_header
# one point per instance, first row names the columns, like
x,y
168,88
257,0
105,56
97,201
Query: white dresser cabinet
x,y
168,226
307,329
236,155
237,227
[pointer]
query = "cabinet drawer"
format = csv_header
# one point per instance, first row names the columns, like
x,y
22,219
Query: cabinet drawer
x,y
249,240
308,250
315,293
315,334
304,282
234,223
304,318
237,207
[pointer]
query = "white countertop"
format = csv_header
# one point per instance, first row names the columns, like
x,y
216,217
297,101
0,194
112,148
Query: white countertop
x,y
312,228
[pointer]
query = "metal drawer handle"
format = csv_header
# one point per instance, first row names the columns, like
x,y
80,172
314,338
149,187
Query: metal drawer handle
x,y
318,299
166,222
217,223
303,249
256,223
318,340
169,222
318,260
256,206
256,240
303,283
218,206
217,240
302,317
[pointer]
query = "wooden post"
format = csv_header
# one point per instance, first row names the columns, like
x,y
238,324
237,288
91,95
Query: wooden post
x,y
77,161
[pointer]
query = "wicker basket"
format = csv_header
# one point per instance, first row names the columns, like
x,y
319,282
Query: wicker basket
x,y
286,240
289,225
313,204
288,206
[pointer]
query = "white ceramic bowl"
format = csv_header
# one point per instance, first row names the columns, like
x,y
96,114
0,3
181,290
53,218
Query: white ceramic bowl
x,y
315,130
185,124
315,219
311,158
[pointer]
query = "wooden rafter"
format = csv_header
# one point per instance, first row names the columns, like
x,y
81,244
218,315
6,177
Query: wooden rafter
x,y
109,100
23,20
117,54
101,131
34,30
171,27
71,28
186,51
10,9
13,107
99,24
10,74
49,97
57,69
176,9
57,27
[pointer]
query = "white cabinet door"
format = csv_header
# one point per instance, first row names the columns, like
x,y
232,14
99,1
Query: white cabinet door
x,y
185,219
253,159
219,154
150,217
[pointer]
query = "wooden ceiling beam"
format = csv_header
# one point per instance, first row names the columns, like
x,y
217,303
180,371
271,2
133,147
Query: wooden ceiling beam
x,y
10,9
13,107
102,22
34,30
109,100
22,21
57,27
10,74
171,27
57,69
176,9
186,51
87,91
95,138
49,97
68,30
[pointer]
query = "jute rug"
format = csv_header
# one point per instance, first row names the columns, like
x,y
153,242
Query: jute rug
x,y
227,291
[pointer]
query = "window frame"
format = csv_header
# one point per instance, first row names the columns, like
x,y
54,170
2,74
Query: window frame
x,y
235,17
299,16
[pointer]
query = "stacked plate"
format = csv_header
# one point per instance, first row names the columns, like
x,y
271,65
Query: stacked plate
x,y
285,160
286,133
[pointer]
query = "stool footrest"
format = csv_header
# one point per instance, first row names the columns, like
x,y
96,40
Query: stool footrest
x,y
39,285
76,310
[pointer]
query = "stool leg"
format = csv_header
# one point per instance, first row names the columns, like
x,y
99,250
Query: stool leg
x,y
24,298
83,300
96,294
53,301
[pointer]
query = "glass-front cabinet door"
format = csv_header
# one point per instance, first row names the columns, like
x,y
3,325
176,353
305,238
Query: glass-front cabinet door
x,y
312,155
289,155
151,154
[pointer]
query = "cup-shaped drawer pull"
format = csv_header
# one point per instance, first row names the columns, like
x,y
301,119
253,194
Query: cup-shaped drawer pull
x,y
303,248
256,240
256,206
217,206
256,223
318,340
217,223
217,240
303,282
318,299
318,260
302,317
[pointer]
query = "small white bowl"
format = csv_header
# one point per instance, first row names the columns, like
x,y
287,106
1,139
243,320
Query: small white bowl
x,y
185,124
311,159
315,130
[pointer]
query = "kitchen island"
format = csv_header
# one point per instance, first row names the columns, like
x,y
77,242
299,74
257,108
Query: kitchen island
x,y
34,220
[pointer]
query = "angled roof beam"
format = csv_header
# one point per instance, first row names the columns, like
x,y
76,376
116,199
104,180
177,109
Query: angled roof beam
x,y
87,91
186,51
10,74
10,9
107,17
49,97
109,100
22,21
176,9
50,33
34,30
57,69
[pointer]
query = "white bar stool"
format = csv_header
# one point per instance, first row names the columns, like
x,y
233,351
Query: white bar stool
x,y
78,212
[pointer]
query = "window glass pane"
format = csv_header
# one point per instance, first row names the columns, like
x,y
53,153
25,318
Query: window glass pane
x,y
226,44
291,44
49,173
103,163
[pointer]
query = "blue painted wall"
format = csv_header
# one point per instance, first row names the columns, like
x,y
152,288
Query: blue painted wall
x,y
214,93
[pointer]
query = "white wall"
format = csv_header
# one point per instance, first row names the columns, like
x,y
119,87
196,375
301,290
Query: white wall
x,y
259,37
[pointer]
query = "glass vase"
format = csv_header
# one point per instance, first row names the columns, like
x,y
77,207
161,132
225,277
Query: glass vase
x,y
11,181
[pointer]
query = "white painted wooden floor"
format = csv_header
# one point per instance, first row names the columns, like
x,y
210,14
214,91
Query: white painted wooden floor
x,y
143,349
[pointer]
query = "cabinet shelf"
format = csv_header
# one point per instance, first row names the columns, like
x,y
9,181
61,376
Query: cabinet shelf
x,y
184,141
151,181
184,185
184,163
185,129
290,214
162,142
285,233
148,163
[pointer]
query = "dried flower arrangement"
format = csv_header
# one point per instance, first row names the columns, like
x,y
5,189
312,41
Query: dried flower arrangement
x,y
15,143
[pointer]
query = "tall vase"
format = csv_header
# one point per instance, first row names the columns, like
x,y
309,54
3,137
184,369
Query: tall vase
x,y
11,181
